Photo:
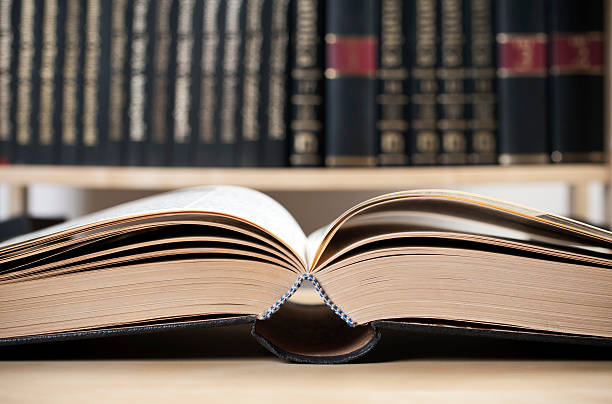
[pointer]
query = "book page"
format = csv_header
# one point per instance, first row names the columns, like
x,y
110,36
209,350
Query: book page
x,y
243,203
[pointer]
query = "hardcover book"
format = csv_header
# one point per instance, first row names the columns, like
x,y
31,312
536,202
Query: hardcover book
x,y
425,259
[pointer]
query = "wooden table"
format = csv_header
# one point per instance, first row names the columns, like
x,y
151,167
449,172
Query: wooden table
x,y
271,380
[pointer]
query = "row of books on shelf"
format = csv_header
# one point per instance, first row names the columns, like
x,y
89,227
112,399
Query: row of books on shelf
x,y
301,82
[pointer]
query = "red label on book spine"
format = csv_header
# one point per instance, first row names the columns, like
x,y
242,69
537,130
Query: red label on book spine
x,y
521,55
351,56
580,53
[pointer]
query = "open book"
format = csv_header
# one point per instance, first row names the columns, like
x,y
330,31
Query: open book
x,y
217,255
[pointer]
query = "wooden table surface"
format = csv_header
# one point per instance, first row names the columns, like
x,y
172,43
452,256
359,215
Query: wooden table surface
x,y
271,380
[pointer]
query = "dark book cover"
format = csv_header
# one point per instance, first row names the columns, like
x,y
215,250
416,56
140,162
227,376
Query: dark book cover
x,y
351,53
47,81
230,96
275,139
211,69
121,28
9,43
480,83
393,96
522,81
140,77
92,84
576,108
181,116
163,58
423,40
307,100
451,73
27,80
251,85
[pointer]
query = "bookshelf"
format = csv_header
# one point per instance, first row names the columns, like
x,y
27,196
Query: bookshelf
x,y
578,176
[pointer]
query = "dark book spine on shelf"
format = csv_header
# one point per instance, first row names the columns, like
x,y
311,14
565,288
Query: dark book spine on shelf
x,y
576,81
393,96
7,72
119,83
229,125
156,153
251,84
350,90
139,82
181,121
481,108
92,87
104,74
451,100
424,139
47,106
275,139
307,84
25,114
522,81
210,85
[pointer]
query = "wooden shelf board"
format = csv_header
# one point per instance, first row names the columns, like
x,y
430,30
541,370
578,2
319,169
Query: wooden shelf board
x,y
298,179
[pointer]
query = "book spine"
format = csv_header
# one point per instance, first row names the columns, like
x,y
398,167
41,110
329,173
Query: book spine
x,y
181,155
6,79
117,114
307,85
24,150
522,81
451,100
576,81
229,108
209,83
276,147
158,144
48,82
424,139
392,99
350,73
104,81
139,84
251,84
91,83
482,127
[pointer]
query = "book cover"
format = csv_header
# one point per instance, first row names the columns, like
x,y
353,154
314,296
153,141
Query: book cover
x,y
576,107
350,83
482,100
275,143
451,74
8,49
424,138
307,84
521,36
393,97
210,83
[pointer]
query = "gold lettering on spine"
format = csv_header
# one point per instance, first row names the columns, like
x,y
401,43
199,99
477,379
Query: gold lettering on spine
x,y
6,43
230,70
182,128
483,122
117,91
47,72
278,56
209,66
160,65
90,74
70,74
452,98
392,99
426,85
24,72
252,62
138,82
307,78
